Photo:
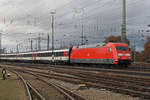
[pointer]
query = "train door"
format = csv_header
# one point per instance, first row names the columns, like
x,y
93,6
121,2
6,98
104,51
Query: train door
x,y
109,55
35,56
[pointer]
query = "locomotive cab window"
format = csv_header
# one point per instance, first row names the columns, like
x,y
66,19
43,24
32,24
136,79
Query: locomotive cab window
x,y
122,48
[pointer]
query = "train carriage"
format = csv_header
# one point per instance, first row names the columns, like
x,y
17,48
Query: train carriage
x,y
40,56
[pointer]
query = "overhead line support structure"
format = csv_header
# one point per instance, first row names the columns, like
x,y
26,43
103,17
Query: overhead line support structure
x,y
0,45
123,26
53,13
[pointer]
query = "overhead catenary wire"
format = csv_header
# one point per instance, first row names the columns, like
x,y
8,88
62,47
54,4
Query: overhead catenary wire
x,y
92,11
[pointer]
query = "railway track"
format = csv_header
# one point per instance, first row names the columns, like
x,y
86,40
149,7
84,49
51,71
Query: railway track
x,y
134,87
133,68
106,70
32,93
130,85
133,83
68,94
111,84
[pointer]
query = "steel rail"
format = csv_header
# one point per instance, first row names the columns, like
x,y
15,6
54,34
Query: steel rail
x,y
69,94
36,93
30,90
124,90
137,93
26,86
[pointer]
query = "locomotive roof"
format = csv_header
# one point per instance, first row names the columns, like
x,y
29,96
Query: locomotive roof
x,y
92,45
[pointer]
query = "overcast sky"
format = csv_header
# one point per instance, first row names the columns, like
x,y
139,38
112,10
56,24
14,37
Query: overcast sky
x,y
24,19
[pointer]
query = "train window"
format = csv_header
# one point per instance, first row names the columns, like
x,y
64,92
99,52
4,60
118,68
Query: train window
x,y
43,54
47,54
39,54
59,54
26,55
122,48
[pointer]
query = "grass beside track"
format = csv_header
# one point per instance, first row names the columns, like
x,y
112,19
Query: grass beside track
x,y
12,89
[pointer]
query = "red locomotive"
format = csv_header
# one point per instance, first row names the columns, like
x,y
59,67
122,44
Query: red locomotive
x,y
100,53
110,53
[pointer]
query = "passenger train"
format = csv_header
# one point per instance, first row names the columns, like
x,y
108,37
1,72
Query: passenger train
x,y
100,53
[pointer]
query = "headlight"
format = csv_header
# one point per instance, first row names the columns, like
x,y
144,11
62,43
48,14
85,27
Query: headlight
x,y
127,55
120,54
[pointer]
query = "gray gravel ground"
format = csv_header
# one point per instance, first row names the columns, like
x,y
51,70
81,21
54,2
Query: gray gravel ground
x,y
95,94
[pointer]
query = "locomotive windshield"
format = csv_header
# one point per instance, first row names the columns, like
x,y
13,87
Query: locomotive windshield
x,y
122,48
